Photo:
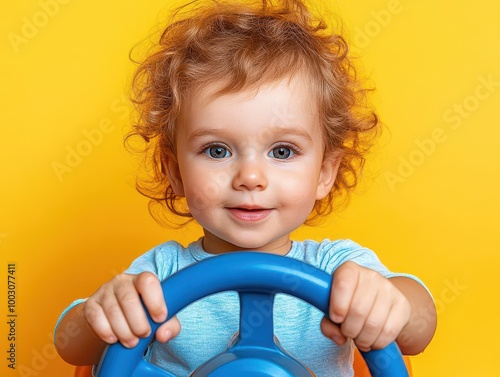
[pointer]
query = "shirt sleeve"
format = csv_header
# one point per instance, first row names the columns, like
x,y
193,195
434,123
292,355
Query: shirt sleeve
x,y
162,260
65,311
338,252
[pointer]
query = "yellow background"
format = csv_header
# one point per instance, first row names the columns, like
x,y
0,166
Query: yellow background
x,y
429,204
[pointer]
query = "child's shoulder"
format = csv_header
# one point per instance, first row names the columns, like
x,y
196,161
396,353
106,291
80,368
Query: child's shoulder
x,y
328,254
167,258
327,247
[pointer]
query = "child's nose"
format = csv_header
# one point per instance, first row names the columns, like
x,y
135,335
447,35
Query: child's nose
x,y
250,175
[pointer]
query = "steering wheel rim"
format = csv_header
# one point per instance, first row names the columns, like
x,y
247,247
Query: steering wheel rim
x,y
255,276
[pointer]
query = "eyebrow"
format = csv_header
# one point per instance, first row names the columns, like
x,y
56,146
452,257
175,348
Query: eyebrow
x,y
278,131
207,132
275,131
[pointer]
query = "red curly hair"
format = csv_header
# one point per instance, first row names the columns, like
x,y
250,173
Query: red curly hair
x,y
242,45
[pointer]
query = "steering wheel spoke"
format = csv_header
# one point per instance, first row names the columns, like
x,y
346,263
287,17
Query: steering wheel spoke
x,y
256,319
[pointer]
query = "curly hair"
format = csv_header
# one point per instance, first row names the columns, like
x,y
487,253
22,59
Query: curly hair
x,y
242,45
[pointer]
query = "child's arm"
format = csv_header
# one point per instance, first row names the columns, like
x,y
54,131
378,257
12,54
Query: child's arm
x,y
375,311
423,320
114,313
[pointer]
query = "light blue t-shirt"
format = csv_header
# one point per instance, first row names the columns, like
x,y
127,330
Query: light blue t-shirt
x,y
209,324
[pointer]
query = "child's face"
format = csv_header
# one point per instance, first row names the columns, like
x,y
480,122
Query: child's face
x,y
251,166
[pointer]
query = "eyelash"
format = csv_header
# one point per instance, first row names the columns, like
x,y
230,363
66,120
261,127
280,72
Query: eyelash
x,y
203,150
295,149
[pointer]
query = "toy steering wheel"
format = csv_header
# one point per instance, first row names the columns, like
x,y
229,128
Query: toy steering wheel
x,y
257,277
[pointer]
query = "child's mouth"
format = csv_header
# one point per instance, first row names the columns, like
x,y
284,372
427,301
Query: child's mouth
x,y
249,213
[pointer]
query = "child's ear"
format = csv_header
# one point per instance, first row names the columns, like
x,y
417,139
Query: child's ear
x,y
171,167
328,174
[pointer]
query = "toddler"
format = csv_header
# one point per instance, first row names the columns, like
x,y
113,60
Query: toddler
x,y
255,122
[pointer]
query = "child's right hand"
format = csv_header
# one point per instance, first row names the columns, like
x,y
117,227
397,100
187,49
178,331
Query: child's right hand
x,y
115,313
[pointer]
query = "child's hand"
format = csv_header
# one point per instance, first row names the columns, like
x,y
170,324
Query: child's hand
x,y
368,307
115,312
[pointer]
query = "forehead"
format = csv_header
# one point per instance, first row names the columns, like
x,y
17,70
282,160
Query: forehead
x,y
282,103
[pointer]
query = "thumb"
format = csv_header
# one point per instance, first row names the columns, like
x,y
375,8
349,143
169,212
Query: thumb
x,y
168,330
332,331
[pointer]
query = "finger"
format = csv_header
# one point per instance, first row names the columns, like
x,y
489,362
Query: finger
x,y
374,324
119,324
345,281
397,319
357,317
168,330
332,331
149,287
132,310
99,324
362,303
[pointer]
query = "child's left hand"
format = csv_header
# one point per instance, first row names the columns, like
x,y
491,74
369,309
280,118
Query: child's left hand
x,y
366,307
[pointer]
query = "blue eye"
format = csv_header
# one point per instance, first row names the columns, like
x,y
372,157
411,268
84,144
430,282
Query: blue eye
x,y
217,151
281,153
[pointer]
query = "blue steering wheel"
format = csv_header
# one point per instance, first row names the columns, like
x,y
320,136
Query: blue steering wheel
x,y
257,277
